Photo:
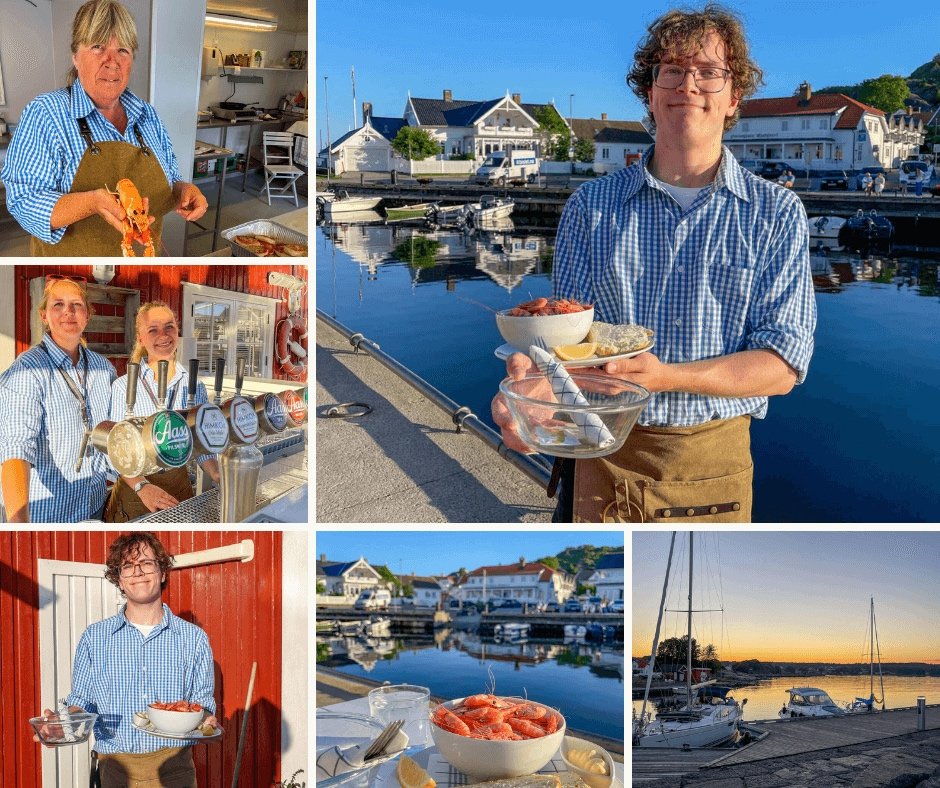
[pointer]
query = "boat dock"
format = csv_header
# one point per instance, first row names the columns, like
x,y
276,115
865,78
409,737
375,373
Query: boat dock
x,y
833,744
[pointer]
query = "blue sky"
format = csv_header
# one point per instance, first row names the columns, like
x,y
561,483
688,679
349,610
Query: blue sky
x,y
549,50
436,552
800,595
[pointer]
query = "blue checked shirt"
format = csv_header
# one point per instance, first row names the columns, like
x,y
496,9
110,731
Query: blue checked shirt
x,y
40,422
176,391
731,273
47,147
117,672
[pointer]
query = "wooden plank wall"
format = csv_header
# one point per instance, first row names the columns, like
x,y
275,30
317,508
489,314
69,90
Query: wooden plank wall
x,y
157,283
238,605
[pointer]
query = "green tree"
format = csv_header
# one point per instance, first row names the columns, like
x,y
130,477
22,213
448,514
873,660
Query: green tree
x,y
553,132
415,144
417,251
549,561
886,92
675,650
584,150
321,589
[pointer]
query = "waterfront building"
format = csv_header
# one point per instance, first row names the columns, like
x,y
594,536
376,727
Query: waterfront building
x,y
617,143
530,583
347,578
607,577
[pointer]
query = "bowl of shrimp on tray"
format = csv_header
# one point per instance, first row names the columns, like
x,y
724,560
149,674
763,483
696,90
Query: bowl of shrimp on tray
x,y
493,737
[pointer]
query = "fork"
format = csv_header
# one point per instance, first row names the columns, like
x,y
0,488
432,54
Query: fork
x,y
382,740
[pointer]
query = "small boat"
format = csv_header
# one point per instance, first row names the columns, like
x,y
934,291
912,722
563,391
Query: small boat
x,y
416,211
599,632
343,203
512,630
490,210
447,215
575,630
377,627
867,231
326,627
810,702
825,230
349,628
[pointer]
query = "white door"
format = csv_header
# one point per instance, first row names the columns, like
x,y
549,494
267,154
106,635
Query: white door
x,y
72,595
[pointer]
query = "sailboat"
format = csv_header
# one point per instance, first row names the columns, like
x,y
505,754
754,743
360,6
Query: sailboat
x,y
865,705
706,719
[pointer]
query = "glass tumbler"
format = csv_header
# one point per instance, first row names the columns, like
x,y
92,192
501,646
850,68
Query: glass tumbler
x,y
407,702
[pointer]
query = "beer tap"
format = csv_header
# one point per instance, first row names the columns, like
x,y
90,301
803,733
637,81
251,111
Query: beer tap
x,y
240,464
206,422
219,373
133,370
241,415
163,368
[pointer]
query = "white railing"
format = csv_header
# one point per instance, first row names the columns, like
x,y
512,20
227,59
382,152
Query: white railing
x,y
435,167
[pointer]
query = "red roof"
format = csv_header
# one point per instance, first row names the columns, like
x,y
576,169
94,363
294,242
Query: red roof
x,y
819,104
530,567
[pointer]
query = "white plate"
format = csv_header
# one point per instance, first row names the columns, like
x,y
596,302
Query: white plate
x,y
506,350
191,735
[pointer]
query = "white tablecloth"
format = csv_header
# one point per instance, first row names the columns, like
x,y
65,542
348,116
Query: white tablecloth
x,y
442,772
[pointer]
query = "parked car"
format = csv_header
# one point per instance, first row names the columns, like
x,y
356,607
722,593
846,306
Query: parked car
x,y
595,604
572,606
402,601
873,171
552,607
616,606
833,179
752,165
773,169
373,599
511,603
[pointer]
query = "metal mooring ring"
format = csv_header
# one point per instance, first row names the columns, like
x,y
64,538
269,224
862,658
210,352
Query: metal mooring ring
x,y
343,410
460,415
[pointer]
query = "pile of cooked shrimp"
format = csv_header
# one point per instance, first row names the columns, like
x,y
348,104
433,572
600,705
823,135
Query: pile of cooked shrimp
x,y
496,718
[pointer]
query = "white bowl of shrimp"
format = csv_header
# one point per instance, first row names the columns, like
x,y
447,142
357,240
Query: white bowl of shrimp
x,y
492,737
562,325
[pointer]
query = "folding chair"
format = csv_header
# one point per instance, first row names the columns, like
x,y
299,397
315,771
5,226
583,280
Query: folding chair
x,y
278,147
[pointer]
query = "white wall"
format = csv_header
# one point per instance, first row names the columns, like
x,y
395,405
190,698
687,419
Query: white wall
x,y
295,662
7,313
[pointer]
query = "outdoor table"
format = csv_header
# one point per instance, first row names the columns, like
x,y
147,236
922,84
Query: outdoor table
x,y
442,772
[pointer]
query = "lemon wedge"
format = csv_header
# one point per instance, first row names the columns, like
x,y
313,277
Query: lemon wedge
x,y
411,775
575,352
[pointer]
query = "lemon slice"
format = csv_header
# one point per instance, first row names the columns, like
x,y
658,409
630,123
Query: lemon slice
x,y
411,775
575,352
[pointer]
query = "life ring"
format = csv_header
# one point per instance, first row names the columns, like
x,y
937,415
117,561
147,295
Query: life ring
x,y
291,350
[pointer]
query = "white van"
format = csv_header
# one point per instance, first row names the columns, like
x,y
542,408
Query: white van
x,y
373,599
501,167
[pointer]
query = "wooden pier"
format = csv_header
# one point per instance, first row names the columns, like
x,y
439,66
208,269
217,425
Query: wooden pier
x,y
783,738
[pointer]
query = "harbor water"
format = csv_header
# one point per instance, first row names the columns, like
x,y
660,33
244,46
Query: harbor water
x,y
765,699
857,442
584,681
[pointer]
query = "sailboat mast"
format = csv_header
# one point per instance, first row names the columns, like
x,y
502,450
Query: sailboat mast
x,y
688,668
871,649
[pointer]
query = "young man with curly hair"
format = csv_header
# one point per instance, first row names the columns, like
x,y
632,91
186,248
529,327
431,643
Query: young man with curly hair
x,y
711,257
142,655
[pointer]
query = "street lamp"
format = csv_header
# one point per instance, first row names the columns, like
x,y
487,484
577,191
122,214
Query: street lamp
x,y
571,131
329,153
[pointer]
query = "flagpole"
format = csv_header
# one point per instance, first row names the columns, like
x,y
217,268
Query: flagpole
x,y
352,76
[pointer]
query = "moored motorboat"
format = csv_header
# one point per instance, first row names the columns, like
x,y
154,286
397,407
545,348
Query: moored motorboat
x,y
377,627
575,630
511,631
824,230
343,203
490,210
865,232
416,211
447,215
810,702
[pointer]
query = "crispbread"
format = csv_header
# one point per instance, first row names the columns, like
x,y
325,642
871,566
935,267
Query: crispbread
x,y
528,781
615,339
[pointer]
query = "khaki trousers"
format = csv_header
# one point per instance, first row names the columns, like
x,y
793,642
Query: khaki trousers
x,y
172,767
701,474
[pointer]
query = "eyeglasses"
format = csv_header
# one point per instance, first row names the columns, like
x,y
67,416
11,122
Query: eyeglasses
x,y
709,79
147,567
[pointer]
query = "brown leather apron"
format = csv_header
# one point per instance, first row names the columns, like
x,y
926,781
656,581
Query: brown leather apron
x,y
172,767
103,164
125,505
700,474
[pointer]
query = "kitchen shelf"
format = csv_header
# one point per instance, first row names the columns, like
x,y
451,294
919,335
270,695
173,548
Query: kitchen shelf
x,y
253,68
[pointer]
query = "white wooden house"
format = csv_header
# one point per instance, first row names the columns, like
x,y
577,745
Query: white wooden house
x,y
528,582
617,143
607,577
347,578
366,149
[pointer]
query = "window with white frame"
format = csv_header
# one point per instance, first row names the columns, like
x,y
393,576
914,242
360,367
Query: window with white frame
x,y
804,123
824,123
784,125
232,326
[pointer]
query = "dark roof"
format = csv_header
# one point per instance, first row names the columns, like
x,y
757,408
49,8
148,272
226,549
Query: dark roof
x,y
641,136
610,561
437,112
388,127
335,143
589,128
421,583
819,104
332,569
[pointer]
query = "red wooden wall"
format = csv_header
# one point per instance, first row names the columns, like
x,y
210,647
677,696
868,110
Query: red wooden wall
x,y
238,605
159,283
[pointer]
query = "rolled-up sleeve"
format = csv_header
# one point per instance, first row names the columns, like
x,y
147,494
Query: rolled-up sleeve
x,y
32,172
782,314
21,414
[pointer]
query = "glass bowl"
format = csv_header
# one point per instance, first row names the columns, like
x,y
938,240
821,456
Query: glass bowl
x,y
342,730
545,425
54,731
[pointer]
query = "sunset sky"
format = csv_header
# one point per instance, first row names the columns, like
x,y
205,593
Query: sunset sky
x,y
795,596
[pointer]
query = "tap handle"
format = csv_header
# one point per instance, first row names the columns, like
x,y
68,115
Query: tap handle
x,y
132,372
219,374
239,376
163,368
193,379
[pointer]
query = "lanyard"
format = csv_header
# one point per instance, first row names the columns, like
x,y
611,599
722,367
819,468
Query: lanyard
x,y
171,394
80,394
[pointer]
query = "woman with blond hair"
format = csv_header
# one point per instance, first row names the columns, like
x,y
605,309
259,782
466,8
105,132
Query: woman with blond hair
x,y
49,398
158,338
73,144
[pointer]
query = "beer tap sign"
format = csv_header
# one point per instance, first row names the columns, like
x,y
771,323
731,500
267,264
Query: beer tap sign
x,y
142,446
206,422
296,405
240,413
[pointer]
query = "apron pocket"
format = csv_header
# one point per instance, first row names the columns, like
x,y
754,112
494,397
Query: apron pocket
x,y
722,499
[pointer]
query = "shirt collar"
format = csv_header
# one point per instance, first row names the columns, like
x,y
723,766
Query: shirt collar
x,y
120,620
83,106
59,357
730,175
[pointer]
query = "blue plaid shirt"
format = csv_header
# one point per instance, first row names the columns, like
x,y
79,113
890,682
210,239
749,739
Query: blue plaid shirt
x,y
731,273
47,147
117,672
40,422
176,391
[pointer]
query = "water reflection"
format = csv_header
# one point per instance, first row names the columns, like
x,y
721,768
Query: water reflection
x,y
832,271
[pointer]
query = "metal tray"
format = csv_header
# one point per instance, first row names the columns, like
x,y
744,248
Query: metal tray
x,y
262,227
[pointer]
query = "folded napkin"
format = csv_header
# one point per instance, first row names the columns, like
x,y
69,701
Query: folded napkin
x,y
338,760
590,424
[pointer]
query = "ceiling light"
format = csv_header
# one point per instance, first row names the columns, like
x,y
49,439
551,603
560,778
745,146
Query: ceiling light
x,y
243,22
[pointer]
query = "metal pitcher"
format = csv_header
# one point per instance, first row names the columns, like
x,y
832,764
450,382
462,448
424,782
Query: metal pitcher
x,y
239,468
206,422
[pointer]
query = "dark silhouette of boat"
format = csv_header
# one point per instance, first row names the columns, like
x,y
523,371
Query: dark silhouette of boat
x,y
867,232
